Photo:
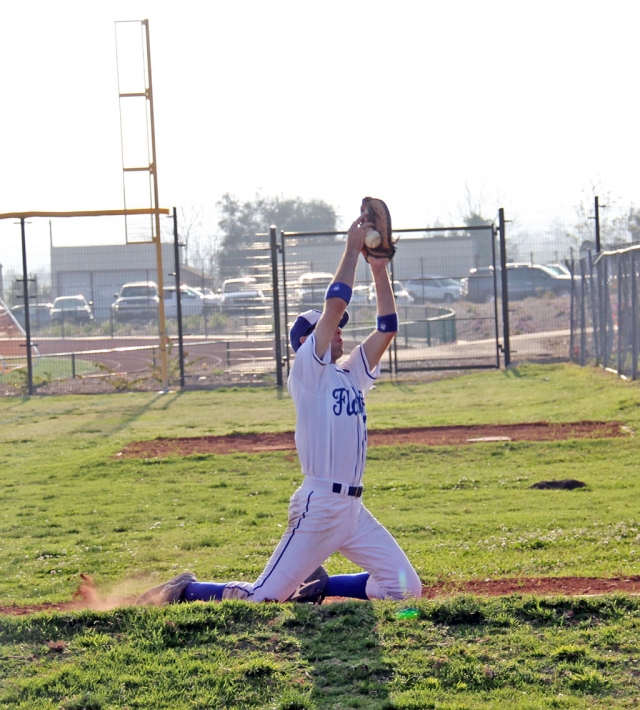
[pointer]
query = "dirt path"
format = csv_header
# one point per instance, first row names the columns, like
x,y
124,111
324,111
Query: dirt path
x,y
89,597
422,436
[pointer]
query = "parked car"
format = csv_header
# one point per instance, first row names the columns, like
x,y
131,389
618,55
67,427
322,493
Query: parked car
x,y
137,300
311,288
211,299
75,309
435,288
192,302
243,294
39,314
559,269
523,281
403,297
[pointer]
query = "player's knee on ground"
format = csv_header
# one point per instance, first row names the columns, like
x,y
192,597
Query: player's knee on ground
x,y
407,585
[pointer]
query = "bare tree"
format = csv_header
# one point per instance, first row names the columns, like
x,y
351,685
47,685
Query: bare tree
x,y
616,224
473,208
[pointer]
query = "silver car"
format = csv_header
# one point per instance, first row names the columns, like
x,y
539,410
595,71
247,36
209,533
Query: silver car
x,y
435,288
402,296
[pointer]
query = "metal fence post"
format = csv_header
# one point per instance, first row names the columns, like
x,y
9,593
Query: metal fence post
x,y
583,312
276,304
633,317
176,257
597,223
619,315
27,320
603,295
572,303
506,345
284,298
394,342
594,309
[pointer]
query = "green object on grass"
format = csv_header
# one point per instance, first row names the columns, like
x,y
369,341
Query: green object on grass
x,y
408,614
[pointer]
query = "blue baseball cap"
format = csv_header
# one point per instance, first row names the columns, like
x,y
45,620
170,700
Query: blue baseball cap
x,y
305,323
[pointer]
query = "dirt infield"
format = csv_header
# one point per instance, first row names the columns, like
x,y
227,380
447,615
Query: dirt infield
x,y
89,597
421,436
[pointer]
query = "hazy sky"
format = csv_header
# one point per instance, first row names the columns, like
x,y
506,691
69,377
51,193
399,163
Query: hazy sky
x,y
525,103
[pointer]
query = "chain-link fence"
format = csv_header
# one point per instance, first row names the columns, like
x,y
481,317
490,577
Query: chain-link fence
x,y
605,315
89,304
94,302
439,327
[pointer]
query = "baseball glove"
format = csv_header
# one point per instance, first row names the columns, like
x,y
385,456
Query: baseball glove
x,y
379,242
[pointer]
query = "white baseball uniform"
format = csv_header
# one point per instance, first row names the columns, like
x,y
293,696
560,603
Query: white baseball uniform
x,y
326,513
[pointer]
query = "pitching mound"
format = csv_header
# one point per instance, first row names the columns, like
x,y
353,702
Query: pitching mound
x,y
422,436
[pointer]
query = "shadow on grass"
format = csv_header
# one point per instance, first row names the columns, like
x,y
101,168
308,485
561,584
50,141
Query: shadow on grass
x,y
232,655
340,645
126,418
512,371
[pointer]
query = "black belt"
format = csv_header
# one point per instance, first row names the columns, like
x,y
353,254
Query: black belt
x,y
355,491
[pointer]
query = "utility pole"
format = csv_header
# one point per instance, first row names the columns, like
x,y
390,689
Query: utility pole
x,y
597,220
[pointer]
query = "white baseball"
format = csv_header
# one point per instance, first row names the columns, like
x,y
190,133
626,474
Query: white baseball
x,y
372,239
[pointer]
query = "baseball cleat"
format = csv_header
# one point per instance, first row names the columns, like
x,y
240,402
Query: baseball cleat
x,y
168,593
313,589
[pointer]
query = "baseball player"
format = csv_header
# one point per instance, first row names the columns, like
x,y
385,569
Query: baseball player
x,y
326,513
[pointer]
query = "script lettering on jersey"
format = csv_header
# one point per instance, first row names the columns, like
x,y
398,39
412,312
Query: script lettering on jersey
x,y
350,401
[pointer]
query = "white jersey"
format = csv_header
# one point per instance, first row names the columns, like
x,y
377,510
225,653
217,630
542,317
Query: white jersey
x,y
331,428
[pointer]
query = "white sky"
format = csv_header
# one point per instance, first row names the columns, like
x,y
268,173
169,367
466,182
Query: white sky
x,y
526,103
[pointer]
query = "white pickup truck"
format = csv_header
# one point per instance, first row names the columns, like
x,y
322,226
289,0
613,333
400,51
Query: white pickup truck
x,y
192,301
242,295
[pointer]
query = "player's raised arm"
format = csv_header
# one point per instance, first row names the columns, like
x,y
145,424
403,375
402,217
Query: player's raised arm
x,y
387,318
340,289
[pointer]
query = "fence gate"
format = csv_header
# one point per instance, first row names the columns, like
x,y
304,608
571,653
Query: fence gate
x,y
448,313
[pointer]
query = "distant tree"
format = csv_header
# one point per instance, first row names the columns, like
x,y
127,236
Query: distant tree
x,y
240,222
471,212
189,227
472,207
198,243
634,224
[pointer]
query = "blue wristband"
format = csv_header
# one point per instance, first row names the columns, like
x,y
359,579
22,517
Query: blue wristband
x,y
388,324
338,289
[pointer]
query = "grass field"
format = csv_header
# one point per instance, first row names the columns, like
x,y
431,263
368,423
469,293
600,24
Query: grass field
x,y
69,505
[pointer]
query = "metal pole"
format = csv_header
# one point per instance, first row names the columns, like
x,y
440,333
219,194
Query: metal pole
x,y
394,342
619,314
285,299
506,346
25,296
162,326
597,220
595,320
276,303
572,304
496,328
583,312
605,309
176,256
633,317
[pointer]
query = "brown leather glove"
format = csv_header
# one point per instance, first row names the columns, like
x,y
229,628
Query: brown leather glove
x,y
375,211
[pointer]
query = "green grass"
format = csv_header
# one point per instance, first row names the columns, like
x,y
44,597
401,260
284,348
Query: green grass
x,y
69,505
518,652
48,368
